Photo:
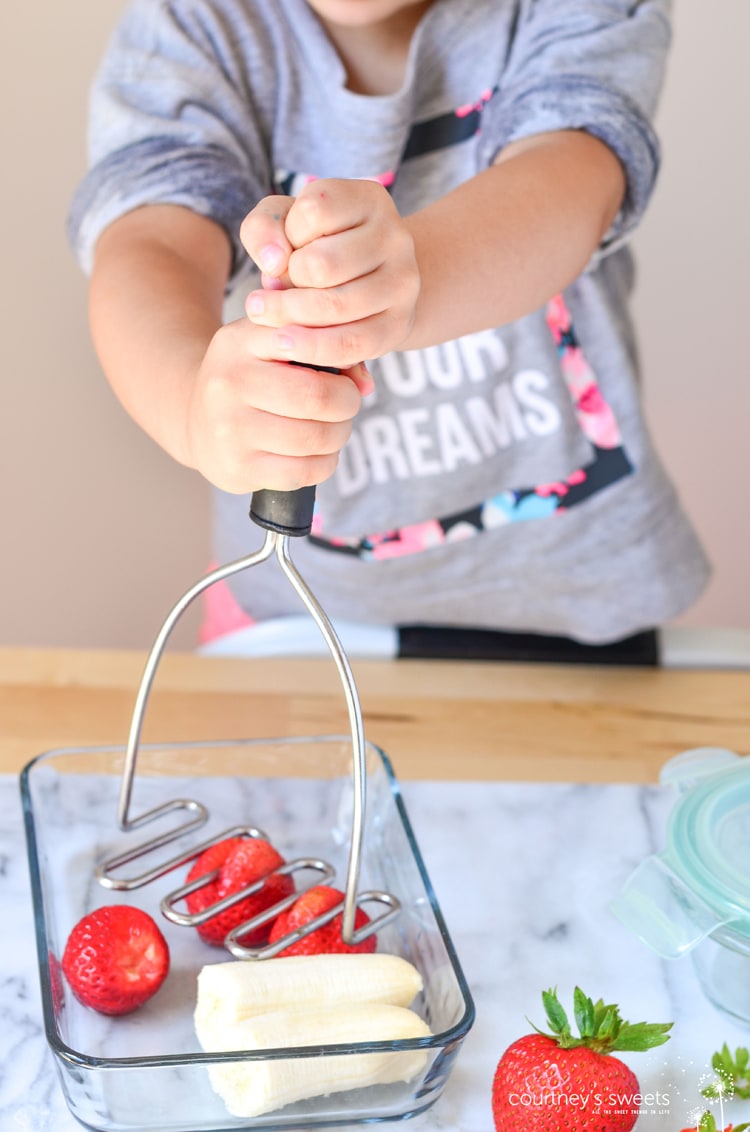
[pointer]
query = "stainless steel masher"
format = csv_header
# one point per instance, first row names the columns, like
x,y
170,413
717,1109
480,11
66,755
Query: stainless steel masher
x,y
283,515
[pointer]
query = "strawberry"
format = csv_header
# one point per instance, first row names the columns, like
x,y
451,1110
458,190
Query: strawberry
x,y
241,861
316,900
547,1083
731,1079
732,1074
115,959
707,1123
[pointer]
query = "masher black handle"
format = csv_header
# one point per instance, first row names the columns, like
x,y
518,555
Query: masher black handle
x,y
286,512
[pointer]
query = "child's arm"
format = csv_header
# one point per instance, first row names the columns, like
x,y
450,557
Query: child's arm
x,y
365,281
515,235
491,251
208,393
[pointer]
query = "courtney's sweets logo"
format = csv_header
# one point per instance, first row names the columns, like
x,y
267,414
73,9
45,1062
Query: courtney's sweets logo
x,y
597,1102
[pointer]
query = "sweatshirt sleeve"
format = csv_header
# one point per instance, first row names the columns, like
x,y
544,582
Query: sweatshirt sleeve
x,y
593,65
170,123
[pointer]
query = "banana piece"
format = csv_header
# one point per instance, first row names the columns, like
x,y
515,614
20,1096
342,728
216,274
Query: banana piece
x,y
251,1088
233,991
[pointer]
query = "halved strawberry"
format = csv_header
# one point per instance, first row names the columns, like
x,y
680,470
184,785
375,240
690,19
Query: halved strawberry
x,y
326,939
707,1123
241,861
115,959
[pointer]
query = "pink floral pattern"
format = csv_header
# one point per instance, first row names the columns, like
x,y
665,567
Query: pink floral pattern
x,y
595,417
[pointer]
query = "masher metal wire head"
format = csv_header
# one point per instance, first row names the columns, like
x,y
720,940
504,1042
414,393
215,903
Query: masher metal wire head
x,y
283,515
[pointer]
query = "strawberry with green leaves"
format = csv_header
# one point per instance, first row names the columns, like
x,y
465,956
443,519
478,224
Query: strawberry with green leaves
x,y
707,1123
732,1080
732,1074
554,1082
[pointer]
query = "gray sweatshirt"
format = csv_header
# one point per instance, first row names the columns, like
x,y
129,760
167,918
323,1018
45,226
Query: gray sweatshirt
x,y
506,479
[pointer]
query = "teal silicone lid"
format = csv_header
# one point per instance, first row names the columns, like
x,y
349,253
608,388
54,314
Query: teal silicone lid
x,y
708,843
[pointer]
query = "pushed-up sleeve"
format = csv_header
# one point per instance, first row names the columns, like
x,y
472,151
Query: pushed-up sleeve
x,y
172,121
593,65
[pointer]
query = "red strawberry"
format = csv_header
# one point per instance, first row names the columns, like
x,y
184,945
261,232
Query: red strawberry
x,y
241,861
707,1123
325,939
115,959
548,1083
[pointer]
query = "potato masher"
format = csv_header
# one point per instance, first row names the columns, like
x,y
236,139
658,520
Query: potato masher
x,y
283,515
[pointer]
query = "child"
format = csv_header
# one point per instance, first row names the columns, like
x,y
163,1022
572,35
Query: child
x,y
443,188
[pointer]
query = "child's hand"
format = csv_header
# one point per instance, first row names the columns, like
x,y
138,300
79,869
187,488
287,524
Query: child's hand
x,y
340,274
256,423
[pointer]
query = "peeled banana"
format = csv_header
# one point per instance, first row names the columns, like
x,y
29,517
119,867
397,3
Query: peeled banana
x,y
230,992
251,1088
307,1000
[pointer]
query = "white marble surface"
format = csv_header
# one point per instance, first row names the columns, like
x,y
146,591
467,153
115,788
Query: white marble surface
x,y
523,874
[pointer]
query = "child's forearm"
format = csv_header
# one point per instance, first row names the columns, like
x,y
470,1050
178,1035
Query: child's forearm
x,y
154,309
503,243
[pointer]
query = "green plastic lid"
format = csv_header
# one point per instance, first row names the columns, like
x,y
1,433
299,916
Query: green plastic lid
x,y
699,886
708,843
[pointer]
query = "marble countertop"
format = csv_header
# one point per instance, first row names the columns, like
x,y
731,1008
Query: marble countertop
x,y
523,873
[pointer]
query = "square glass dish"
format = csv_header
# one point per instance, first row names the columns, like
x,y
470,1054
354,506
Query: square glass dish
x,y
146,1070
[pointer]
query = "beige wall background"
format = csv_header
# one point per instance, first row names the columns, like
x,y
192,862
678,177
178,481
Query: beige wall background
x,y
101,532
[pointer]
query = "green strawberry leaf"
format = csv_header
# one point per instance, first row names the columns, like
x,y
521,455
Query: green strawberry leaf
x,y
641,1035
556,1016
722,1061
602,1009
584,1013
707,1123
733,1073
610,1024
600,1026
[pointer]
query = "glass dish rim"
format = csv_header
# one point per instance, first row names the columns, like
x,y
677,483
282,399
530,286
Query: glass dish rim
x,y
74,1057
